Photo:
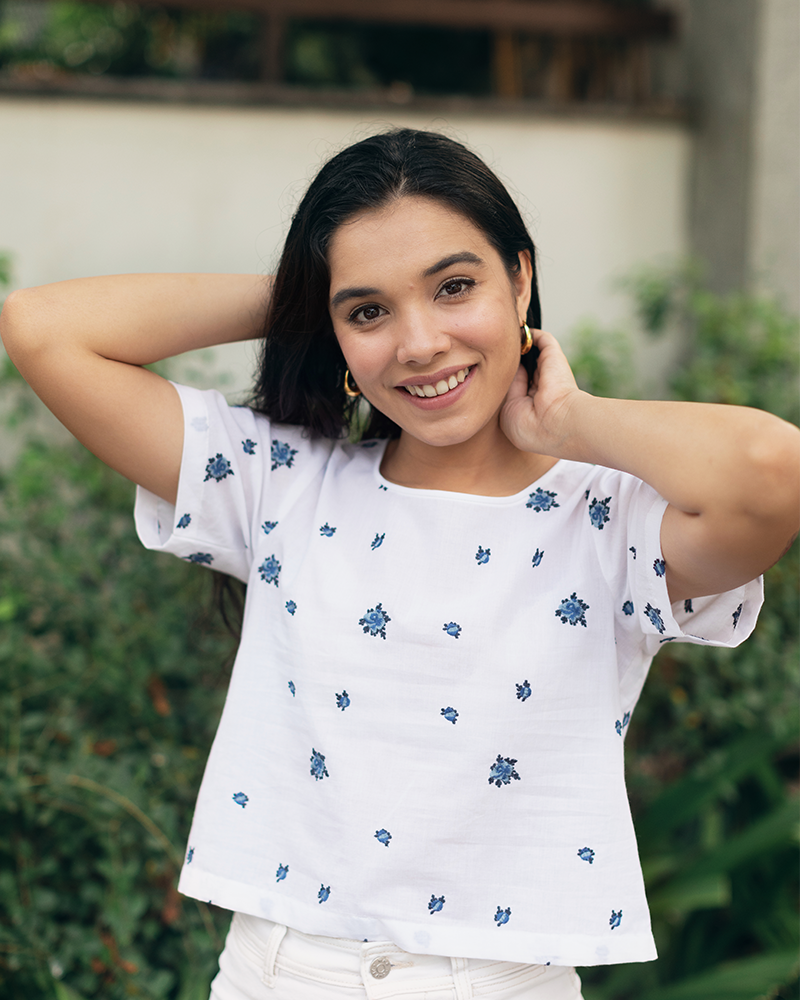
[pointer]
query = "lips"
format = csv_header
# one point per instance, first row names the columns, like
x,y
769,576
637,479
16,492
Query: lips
x,y
440,387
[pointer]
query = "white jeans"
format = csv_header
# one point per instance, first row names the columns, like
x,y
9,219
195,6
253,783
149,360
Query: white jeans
x,y
266,961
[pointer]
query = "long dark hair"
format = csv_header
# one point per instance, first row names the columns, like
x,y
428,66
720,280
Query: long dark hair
x,y
300,378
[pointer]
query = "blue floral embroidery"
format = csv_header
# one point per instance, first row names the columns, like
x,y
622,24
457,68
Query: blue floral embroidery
x,y
249,447
633,550
482,556
452,629
374,621
318,769
627,608
342,700
571,610
541,500
202,558
586,854
189,855
185,521
291,607
382,487
537,558
383,837
436,904
450,714
377,541
270,570
523,691
240,799
615,920
586,495
281,453
687,607
502,916
502,771
324,892
327,530
654,614
292,688
218,468
598,512
659,567
281,873
619,726
736,615
267,526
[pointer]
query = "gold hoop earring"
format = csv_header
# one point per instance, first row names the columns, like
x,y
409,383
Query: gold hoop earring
x,y
527,338
351,392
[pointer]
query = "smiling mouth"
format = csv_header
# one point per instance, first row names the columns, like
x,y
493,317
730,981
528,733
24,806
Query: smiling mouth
x,y
440,388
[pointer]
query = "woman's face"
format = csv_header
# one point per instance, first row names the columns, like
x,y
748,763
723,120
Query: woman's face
x,y
427,317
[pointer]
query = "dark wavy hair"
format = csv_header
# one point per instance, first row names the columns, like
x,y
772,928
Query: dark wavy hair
x,y
300,377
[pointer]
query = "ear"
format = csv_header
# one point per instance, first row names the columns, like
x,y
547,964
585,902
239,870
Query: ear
x,y
522,284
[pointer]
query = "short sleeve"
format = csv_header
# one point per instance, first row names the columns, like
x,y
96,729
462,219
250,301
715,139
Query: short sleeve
x,y
225,466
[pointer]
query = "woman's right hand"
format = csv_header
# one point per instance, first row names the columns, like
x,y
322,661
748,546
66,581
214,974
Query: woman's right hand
x,y
82,345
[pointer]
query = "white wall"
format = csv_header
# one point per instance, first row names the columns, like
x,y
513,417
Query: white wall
x,y
99,188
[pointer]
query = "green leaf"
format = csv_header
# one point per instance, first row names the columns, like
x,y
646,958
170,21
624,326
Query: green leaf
x,y
685,894
64,992
747,979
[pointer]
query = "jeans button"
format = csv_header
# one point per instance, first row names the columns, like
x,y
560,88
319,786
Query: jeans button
x,y
380,968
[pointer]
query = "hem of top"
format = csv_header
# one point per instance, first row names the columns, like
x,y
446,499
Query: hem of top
x,y
531,948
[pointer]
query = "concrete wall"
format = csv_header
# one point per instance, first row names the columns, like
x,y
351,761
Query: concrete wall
x,y
100,188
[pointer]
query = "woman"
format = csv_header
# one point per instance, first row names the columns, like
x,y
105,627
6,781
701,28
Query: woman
x,y
448,623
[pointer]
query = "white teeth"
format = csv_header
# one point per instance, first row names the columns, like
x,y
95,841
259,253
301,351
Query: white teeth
x,y
441,387
452,382
429,390
462,374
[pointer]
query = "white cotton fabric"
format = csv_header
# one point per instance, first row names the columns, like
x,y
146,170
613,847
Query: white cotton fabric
x,y
423,736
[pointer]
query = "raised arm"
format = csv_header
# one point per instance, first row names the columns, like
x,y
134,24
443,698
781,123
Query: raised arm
x,y
731,474
81,346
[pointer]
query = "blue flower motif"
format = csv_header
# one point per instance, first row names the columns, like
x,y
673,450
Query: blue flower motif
x,y
502,916
452,629
383,837
450,714
436,904
185,521
240,799
482,556
374,621
626,718
633,550
523,691
502,771
281,454
269,570
267,526
324,892
571,610
327,530
615,920
659,567
291,607
377,541
201,558
586,495
281,873
218,468
189,855
318,769
627,608
342,700
537,558
654,614
736,615
541,500
586,854
598,512
249,447
687,607
292,688
382,487
618,727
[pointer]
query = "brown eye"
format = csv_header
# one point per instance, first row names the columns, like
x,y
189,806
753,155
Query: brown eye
x,y
456,286
365,314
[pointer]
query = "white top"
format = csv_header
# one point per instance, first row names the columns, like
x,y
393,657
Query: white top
x,y
423,736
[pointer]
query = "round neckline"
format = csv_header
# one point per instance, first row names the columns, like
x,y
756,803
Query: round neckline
x,y
478,498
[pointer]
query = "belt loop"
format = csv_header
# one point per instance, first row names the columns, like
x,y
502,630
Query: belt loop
x,y
268,974
461,978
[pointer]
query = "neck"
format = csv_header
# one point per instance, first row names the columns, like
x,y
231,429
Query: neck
x,y
486,465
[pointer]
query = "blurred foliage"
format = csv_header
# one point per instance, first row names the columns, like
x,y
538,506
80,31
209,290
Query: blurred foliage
x,y
712,754
114,676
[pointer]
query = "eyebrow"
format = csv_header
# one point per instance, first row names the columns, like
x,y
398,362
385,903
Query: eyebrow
x,y
463,257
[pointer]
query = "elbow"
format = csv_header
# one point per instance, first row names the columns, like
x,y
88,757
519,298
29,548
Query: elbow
x,y
775,482
18,326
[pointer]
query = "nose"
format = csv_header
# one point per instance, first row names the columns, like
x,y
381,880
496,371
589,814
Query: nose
x,y
420,340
